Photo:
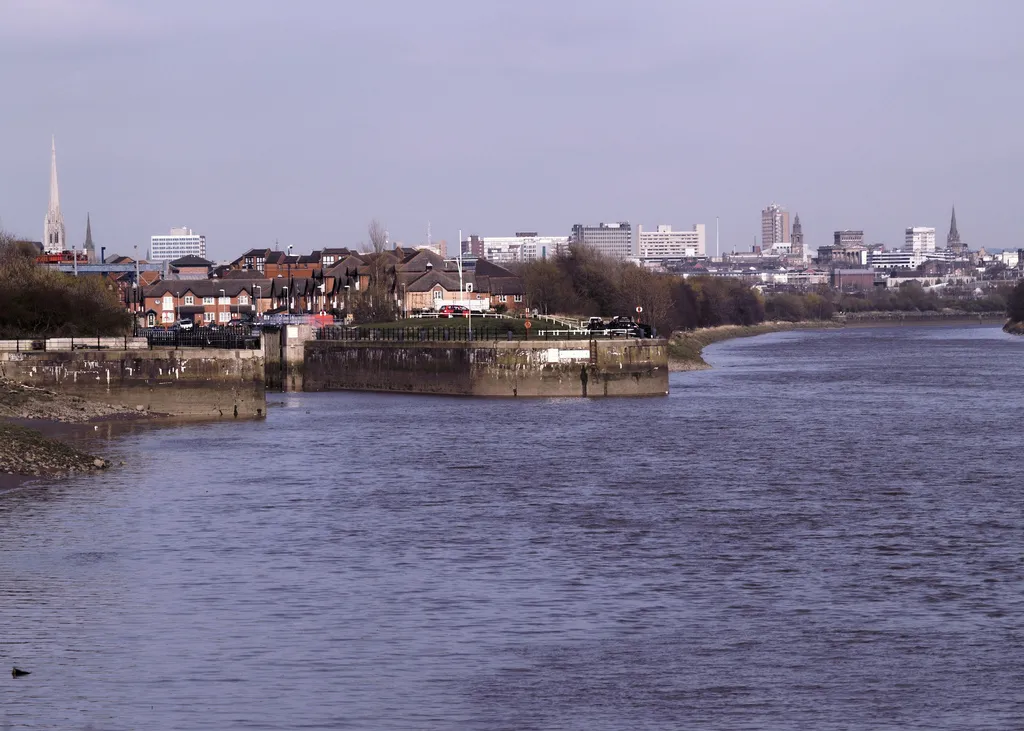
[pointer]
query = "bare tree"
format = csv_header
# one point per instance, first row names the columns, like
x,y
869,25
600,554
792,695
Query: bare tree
x,y
378,236
377,303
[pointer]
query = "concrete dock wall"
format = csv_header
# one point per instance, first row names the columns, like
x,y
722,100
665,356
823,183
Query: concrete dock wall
x,y
186,382
557,368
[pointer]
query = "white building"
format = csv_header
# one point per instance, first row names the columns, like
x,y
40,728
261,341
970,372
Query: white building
x,y
664,243
920,239
890,259
180,242
524,246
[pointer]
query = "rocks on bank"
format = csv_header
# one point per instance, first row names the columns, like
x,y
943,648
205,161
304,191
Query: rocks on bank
x,y
18,401
25,451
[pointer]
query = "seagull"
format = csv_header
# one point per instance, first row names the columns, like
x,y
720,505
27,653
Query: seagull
x,y
16,673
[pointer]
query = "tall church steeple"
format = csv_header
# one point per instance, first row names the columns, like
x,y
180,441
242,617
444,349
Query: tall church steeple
x,y
90,247
953,239
54,240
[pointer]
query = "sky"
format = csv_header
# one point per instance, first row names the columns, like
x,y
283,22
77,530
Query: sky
x,y
259,121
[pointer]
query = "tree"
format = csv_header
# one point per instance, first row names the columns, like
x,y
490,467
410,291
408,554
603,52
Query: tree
x,y
377,302
1015,304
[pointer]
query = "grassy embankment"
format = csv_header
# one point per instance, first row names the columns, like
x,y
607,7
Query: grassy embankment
x,y
685,347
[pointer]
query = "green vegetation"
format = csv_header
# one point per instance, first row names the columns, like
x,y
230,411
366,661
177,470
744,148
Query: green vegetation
x,y
39,302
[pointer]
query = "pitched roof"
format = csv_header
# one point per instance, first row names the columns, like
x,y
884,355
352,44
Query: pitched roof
x,y
191,261
205,287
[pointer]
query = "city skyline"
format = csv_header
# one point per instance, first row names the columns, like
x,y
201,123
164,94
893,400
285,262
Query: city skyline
x,y
398,141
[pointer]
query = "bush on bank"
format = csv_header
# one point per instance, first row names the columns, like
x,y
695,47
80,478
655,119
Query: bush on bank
x,y
36,301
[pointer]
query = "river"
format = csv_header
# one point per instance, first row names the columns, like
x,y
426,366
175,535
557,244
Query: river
x,y
821,532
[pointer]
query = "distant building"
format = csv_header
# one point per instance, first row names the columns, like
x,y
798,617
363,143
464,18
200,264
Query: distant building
x,y
89,247
178,243
664,243
190,267
847,256
853,279
894,259
953,242
524,246
774,226
611,239
847,238
797,244
920,239
54,239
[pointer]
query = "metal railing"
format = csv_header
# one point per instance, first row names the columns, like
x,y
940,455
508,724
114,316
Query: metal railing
x,y
225,338
456,334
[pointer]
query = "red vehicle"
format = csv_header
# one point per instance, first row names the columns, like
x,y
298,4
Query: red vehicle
x,y
452,310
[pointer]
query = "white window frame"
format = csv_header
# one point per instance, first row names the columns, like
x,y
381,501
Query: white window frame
x,y
469,286
518,298
209,316
225,316
189,299
243,299
168,302
207,300
438,294
223,300
166,317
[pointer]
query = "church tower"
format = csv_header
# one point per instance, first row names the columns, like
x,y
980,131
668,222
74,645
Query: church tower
x,y
54,240
90,247
797,239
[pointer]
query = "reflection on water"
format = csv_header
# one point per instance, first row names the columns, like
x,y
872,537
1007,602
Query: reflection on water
x,y
822,532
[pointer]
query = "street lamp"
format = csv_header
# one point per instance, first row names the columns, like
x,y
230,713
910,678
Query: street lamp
x,y
287,300
255,305
288,258
346,301
218,306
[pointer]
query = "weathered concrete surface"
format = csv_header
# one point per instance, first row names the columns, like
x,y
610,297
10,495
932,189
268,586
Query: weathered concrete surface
x,y
617,367
190,383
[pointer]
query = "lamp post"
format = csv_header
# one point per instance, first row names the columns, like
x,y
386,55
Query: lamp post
x,y
346,301
288,258
287,299
218,306
256,308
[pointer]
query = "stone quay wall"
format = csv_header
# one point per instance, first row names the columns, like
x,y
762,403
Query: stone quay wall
x,y
557,368
182,382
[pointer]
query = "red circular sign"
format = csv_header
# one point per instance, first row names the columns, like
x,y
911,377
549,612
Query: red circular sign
x,y
527,324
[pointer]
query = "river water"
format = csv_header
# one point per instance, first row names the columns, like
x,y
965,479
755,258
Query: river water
x,y
822,532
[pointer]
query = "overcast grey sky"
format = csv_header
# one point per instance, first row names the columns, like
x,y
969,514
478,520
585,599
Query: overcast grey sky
x,y
256,120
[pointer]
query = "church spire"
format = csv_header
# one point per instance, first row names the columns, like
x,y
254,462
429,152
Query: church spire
x,y
90,247
53,227
953,240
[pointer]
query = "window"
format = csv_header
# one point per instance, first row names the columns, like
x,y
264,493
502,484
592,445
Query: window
x,y
166,317
469,286
189,299
225,316
439,294
208,316
224,300
207,300
243,299
518,298
168,302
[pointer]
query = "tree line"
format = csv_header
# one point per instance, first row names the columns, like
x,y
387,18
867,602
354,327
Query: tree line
x,y
584,282
36,301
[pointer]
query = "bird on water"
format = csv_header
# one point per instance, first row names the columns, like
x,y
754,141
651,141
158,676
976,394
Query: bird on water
x,y
17,673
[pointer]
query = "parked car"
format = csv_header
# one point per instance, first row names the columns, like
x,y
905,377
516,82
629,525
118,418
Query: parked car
x,y
183,324
595,323
452,310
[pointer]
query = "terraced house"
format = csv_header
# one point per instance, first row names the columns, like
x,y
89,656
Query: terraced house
x,y
205,301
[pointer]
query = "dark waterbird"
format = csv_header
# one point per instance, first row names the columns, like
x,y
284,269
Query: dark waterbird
x,y
17,673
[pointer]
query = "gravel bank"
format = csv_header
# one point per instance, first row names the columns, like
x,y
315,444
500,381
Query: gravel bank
x,y
27,452
18,401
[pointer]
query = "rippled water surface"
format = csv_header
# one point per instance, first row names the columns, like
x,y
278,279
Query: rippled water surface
x,y
825,531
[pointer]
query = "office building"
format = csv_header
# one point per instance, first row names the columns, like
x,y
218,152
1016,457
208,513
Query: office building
x,y
664,243
774,226
524,246
54,239
847,238
178,243
611,239
920,240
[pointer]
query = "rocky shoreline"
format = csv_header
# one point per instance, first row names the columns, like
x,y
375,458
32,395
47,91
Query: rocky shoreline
x,y
27,452
685,349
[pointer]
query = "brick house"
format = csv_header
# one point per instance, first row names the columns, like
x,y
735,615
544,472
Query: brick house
x,y
205,300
